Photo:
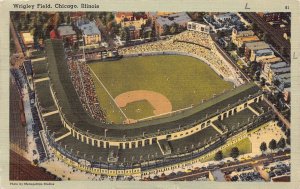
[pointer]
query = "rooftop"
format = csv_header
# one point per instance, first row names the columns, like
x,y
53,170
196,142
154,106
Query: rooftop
x,y
279,65
271,60
178,18
257,45
264,52
89,29
27,37
223,16
281,70
66,30
248,38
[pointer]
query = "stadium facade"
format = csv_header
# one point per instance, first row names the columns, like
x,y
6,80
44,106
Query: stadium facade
x,y
143,147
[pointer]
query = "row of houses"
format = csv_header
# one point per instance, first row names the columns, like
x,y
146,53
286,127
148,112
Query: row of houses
x,y
159,21
91,34
273,68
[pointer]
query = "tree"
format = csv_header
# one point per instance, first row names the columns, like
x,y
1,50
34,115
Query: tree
x,y
272,144
281,143
124,33
219,155
241,51
147,34
234,152
263,147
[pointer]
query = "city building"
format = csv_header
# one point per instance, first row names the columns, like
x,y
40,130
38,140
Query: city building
x,y
239,38
269,66
224,22
74,16
277,69
154,15
250,47
90,32
134,33
265,61
257,55
195,26
137,22
135,25
67,33
180,18
27,39
120,16
270,16
223,17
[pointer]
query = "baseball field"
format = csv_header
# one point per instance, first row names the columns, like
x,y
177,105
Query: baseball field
x,y
138,87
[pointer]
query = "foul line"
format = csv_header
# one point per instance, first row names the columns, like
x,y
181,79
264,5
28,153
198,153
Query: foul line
x,y
108,92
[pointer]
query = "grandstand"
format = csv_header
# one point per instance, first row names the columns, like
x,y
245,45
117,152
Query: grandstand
x,y
138,147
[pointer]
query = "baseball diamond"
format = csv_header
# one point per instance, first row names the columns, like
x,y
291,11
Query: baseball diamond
x,y
183,81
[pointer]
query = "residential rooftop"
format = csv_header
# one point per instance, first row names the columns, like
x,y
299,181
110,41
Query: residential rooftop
x,y
65,30
257,45
178,18
89,29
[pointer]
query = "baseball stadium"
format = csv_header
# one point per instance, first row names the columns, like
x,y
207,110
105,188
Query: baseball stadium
x,y
159,106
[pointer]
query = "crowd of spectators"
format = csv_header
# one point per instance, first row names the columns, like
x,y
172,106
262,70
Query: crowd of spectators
x,y
85,88
197,44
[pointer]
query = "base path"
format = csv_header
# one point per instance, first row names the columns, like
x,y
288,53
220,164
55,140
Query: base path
x,y
158,101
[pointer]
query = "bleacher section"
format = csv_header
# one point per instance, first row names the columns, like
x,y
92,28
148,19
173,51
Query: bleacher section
x,y
79,148
260,107
40,69
44,97
55,126
238,120
194,141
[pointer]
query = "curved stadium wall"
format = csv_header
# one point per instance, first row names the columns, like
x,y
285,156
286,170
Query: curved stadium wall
x,y
161,134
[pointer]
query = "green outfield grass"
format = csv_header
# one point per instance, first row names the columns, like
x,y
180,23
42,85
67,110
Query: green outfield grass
x,y
138,110
183,80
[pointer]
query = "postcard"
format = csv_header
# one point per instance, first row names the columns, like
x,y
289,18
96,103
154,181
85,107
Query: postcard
x,y
110,92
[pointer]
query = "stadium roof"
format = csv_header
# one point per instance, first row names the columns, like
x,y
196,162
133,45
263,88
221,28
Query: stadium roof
x,y
55,125
74,112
